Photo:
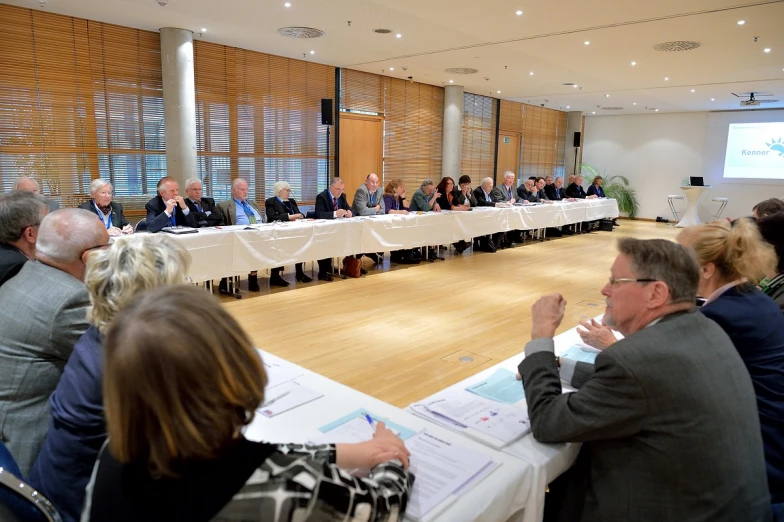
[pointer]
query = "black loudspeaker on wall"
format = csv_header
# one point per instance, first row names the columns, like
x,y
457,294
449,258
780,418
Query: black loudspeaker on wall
x,y
577,135
326,111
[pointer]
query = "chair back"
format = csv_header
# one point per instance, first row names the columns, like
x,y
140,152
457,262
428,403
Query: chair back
x,y
141,225
18,501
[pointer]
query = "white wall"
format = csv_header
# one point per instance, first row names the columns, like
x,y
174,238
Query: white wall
x,y
656,151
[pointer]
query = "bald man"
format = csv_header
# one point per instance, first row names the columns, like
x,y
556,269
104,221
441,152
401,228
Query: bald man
x,y
44,312
31,185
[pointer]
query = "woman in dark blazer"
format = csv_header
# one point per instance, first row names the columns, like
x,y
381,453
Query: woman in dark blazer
x,y
448,201
281,207
596,188
733,258
108,211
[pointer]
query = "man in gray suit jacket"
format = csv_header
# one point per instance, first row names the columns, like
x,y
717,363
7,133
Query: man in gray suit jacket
x,y
31,185
42,315
668,418
369,198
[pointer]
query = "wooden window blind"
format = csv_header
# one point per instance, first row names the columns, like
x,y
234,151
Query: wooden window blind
x,y
544,141
511,119
79,100
259,117
479,135
413,129
362,92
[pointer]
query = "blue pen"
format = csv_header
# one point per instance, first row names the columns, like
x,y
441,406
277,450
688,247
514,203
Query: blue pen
x,y
370,421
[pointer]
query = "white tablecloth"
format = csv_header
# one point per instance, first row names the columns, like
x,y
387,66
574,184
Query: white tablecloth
x,y
548,460
501,496
237,250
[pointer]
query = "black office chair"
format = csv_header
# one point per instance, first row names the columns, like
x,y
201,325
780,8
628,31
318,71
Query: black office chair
x,y
141,225
18,501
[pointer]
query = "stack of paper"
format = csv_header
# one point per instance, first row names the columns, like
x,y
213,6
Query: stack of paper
x,y
581,353
280,372
442,469
501,386
488,421
287,397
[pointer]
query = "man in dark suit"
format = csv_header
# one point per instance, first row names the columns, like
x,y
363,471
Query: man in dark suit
x,y
575,190
486,197
555,191
667,416
331,204
526,193
203,209
109,212
21,213
168,208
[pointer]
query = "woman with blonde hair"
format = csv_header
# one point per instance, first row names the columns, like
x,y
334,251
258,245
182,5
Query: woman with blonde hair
x,y
77,428
733,258
175,413
395,197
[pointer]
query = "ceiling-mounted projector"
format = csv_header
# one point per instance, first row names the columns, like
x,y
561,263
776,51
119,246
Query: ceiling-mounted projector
x,y
751,102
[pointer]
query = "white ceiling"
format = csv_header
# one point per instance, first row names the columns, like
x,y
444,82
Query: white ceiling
x,y
548,40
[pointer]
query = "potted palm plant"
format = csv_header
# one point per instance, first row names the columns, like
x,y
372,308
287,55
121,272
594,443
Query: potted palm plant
x,y
616,187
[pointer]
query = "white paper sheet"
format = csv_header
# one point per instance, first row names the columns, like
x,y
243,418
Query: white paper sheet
x,y
280,372
441,469
286,397
501,421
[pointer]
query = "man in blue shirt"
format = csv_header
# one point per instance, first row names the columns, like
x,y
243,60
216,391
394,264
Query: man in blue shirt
x,y
239,210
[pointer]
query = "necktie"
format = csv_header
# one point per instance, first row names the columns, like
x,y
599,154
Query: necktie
x,y
198,206
173,219
372,197
558,193
334,203
249,213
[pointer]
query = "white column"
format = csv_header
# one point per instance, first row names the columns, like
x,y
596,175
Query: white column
x,y
179,103
574,123
452,144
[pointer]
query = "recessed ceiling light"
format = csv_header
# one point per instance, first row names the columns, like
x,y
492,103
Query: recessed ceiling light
x,y
634,63
693,90
287,4
532,73
606,95
398,35
655,110
575,85
519,13
666,78
391,68
498,92
594,112
451,81
767,49
567,106
713,99
203,29
312,52
634,103
587,42
741,22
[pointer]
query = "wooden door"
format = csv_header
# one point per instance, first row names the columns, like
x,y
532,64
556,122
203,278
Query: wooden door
x,y
361,150
508,156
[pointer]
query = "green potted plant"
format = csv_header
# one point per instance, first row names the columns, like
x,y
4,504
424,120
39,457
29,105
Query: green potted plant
x,y
616,187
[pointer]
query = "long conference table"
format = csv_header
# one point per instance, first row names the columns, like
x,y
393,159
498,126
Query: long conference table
x,y
514,491
236,250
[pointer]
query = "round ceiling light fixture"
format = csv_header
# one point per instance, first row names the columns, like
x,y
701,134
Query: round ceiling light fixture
x,y
676,46
300,32
461,70
382,31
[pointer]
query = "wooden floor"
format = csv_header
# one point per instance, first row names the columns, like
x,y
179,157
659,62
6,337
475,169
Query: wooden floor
x,y
398,333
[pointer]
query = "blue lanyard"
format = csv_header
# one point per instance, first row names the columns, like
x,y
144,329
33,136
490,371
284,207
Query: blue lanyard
x,y
108,223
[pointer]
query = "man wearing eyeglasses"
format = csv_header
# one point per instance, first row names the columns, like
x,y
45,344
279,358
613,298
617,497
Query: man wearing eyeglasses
x,y
43,312
667,416
240,210
21,213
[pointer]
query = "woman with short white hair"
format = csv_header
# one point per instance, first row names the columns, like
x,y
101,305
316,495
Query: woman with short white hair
x,y
77,428
282,207
108,211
